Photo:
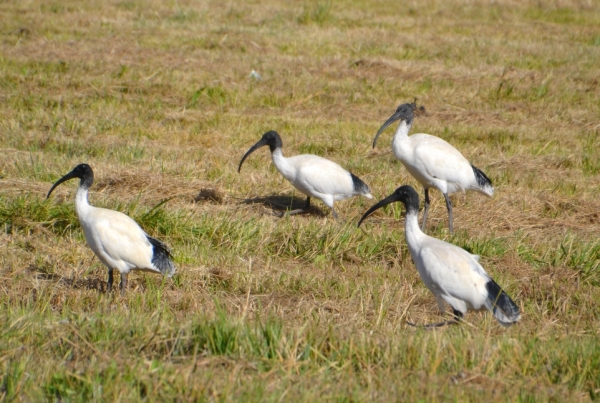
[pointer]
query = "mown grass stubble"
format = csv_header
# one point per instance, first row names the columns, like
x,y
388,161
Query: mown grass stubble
x,y
156,97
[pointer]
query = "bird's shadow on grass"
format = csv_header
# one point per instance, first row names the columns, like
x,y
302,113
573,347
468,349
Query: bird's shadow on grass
x,y
281,204
89,283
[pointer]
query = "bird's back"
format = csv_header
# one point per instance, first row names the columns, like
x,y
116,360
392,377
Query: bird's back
x,y
449,270
437,160
118,241
306,162
321,175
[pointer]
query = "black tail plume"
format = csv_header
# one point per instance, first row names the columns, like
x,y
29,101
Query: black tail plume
x,y
359,186
161,257
503,308
484,183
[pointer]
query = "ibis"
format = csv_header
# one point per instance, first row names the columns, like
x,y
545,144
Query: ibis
x,y
433,162
451,273
115,238
312,175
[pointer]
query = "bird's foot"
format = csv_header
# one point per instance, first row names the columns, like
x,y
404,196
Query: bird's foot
x,y
435,325
293,212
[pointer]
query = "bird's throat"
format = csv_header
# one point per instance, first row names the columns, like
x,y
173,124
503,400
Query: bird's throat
x,y
82,204
399,142
411,227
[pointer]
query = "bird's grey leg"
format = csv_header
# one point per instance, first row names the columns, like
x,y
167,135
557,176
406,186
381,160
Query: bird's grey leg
x,y
426,209
449,207
307,205
335,216
123,283
109,284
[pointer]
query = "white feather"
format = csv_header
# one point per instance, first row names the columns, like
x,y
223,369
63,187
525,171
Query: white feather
x,y
118,241
452,274
316,177
434,162
449,272
312,175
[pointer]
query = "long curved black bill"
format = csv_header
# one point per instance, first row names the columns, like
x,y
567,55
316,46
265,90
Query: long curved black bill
x,y
388,200
255,147
65,178
388,122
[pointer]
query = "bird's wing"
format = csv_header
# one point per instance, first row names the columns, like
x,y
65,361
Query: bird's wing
x,y
440,159
122,239
453,270
322,175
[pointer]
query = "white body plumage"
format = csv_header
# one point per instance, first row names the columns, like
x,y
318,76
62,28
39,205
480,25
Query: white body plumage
x,y
452,274
115,238
433,162
317,177
312,175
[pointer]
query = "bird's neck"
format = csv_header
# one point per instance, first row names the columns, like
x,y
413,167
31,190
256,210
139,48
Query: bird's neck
x,y
281,163
82,206
411,228
400,138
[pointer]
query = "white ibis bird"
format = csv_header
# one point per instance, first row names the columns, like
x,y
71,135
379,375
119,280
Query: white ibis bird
x,y
312,175
433,162
118,241
451,273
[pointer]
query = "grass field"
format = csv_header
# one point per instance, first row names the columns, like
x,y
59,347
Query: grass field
x,y
156,96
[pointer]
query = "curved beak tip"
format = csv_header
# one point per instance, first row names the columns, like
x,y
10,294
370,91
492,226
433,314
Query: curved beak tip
x,y
65,178
242,162
51,190
366,215
250,151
